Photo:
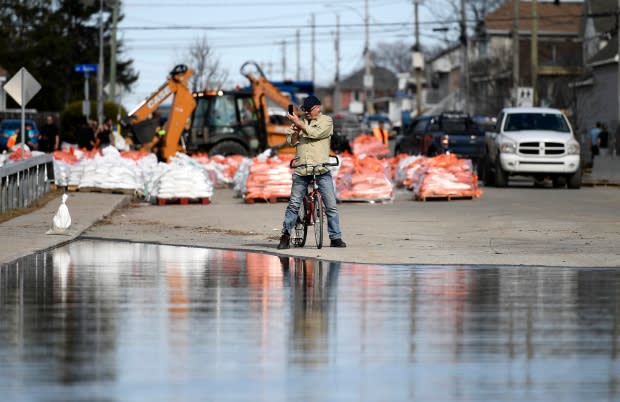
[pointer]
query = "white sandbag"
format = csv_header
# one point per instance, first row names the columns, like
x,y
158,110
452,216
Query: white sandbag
x,y
62,220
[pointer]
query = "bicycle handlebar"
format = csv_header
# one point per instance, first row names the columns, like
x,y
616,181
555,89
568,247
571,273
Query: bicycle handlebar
x,y
307,165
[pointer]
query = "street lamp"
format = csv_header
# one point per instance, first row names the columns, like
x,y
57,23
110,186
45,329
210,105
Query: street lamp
x,y
368,77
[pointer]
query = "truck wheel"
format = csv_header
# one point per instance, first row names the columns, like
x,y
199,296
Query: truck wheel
x,y
487,173
227,148
559,181
574,180
501,177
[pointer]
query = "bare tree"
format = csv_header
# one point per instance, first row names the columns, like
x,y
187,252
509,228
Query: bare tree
x,y
208,71
449,11
393,56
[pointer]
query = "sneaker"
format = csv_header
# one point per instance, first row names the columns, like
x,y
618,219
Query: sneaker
x,y
338,243
284,241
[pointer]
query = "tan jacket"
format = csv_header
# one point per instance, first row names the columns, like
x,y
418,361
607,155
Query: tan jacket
x,y
314,144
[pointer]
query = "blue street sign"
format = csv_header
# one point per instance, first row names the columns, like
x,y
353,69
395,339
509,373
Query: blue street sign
x,y
86,68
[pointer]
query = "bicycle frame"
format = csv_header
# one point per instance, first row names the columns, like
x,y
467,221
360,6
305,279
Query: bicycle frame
x,y
311,201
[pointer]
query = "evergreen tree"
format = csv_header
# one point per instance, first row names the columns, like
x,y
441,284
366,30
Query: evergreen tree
x,y
49,38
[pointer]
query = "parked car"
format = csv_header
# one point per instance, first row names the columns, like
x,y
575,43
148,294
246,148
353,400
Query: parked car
x,y
9,126
346,127
448,132
533,141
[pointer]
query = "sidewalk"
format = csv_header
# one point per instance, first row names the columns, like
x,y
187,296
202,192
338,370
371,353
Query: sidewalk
x,y
606,170
25,234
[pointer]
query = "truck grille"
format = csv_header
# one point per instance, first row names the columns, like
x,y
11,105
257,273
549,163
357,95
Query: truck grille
x,y
541,148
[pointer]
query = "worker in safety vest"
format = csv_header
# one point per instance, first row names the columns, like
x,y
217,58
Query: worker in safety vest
x,y
381,134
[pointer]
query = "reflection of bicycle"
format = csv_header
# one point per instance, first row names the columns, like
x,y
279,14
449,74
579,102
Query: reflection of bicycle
x,y
311,210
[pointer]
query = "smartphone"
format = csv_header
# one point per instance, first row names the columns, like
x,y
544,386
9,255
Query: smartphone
x,y
291,109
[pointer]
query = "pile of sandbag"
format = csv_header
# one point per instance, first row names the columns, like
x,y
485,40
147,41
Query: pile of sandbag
x,y
221,168
268,178
363,179
182,177
445,176
368,145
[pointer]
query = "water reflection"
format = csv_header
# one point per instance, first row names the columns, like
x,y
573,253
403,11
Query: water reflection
x,y
133,322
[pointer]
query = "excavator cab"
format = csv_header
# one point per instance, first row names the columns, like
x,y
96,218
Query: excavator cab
x,y
226,123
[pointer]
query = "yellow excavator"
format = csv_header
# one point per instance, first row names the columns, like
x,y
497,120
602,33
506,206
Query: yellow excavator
x,y
215,122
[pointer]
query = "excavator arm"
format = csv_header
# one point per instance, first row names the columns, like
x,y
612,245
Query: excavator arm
x,y
262,90
141,124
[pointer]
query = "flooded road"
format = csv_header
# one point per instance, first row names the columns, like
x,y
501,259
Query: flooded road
x,y
113,321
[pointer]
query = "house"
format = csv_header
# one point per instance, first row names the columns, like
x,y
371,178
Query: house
x,y
559,55
597,89
352,89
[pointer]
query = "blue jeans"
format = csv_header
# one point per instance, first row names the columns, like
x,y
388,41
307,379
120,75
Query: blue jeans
x,y
326,188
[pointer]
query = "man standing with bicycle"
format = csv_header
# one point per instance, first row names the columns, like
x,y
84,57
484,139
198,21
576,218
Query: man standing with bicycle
x,y
311,138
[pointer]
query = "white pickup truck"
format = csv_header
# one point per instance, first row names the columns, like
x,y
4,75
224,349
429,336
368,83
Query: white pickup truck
x,y
532,141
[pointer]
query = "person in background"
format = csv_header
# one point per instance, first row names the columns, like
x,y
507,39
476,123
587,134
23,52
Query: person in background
x,y
381,134
311,138
103,136
32,138
50,137
602,141
594,133
86,135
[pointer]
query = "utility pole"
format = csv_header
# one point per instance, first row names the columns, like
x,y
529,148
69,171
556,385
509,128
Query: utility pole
x,y
337,77
465,56
515,49
313,48
368,78
113,52
283,60
298,56
534,55
100,68
612,141
417,68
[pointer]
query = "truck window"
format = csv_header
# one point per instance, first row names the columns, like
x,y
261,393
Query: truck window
x,y
536,121
198,123
247,111
420,126
223,112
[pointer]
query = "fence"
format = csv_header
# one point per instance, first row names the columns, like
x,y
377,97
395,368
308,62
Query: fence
x,y
23,182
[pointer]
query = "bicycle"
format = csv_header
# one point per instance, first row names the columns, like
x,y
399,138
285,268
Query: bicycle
x,y
311,210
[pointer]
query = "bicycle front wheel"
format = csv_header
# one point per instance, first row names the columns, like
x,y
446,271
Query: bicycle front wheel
x,y
318,220
300,231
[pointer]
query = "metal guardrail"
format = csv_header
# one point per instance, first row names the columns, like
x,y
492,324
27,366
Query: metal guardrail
x,y
23,182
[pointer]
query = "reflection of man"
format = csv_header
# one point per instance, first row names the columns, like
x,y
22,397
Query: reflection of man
x,y
381,134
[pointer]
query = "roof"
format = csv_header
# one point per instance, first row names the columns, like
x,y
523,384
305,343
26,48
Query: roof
x,y
598,7
552,19
384,80
606,54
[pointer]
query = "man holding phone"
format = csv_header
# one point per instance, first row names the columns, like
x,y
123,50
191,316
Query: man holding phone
x,y
311,138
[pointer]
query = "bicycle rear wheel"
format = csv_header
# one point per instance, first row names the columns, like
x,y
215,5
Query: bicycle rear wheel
x,y
300,231
318,220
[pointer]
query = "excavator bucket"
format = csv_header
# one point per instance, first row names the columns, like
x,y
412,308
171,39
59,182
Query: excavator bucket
x,y
143,131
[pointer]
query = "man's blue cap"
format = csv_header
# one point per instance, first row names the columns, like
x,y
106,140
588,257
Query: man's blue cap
x,y
310,102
